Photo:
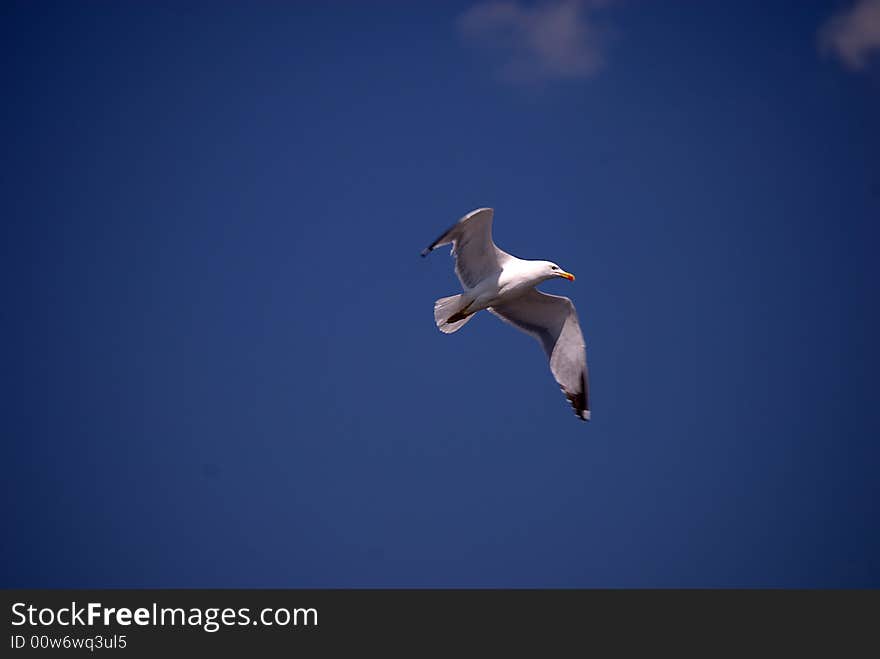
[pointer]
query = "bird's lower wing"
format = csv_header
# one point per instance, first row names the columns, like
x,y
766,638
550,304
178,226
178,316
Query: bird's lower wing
x,y
476,255
553,321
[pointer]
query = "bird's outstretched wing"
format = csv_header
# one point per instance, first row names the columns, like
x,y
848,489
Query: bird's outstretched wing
x,y
553,321
476,255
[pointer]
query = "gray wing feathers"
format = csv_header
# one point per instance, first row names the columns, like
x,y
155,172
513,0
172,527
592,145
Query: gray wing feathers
x,y
476,256
553,321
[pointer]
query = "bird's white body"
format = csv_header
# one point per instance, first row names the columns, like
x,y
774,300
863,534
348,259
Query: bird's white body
x,y
516,276
505,285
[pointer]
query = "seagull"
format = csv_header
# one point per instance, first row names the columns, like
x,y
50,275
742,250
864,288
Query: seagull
x,y
504,285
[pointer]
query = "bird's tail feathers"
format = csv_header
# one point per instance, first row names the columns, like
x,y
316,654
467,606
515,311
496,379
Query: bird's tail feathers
x,y
446,308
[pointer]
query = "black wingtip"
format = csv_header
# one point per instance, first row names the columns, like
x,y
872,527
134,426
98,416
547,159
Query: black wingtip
x,y
578,401
426,251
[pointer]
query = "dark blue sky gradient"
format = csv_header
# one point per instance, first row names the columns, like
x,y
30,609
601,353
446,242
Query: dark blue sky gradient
x,y
220,366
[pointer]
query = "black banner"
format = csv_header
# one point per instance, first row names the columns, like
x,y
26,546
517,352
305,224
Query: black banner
x,y
148,622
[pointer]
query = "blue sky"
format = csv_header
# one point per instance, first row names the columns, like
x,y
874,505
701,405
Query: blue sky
x,y
220,362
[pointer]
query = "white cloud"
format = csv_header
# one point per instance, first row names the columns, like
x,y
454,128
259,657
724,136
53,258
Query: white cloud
x,y
853,34
550,40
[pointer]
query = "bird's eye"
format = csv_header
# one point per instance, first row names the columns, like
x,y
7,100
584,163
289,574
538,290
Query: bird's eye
x,y
554,267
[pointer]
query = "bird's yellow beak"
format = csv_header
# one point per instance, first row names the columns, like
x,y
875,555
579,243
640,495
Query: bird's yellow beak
x,y
567,275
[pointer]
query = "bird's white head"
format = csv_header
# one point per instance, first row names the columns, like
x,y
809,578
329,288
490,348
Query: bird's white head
x,y
549,270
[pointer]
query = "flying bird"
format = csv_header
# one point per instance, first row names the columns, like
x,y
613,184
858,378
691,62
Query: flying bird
x,y
504,285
